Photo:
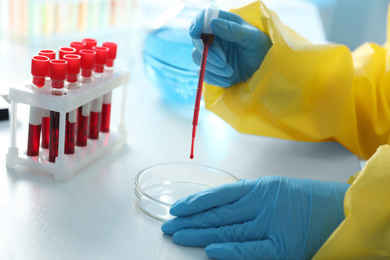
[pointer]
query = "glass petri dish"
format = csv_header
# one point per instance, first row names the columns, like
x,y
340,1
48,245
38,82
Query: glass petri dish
x,y
159,186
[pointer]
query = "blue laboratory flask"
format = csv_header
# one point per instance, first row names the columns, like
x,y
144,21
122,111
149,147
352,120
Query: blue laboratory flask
x,y
167,53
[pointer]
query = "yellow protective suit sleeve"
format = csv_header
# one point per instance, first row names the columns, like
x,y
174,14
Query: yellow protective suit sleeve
x,y
365,232
308,92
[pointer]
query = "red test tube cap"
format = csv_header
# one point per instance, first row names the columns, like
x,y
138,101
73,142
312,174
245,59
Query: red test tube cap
x,y
112,46
65,50
51,54
39,68
58,69
87,62
89,43
78,46
101,58
73,68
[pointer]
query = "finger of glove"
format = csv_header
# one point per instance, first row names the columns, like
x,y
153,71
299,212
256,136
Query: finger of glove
x,y
235,32
223,71
215,54
233,233
210,198
263,249
241,211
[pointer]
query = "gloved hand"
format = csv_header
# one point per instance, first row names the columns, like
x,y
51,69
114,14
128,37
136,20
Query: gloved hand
x,y
269,218
237,51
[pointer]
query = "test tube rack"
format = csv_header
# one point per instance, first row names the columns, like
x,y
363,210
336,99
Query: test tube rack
x,y
65,165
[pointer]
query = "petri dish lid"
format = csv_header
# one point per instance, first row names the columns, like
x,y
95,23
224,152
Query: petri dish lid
x,y
159,186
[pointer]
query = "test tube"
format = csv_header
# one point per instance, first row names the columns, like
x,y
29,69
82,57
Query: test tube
x,y
89,43
111,53
73,69
106,108
101,58
65,50
39,68
78,46
82,124
34,131
51,54
87,62
58,75
70,132
106,113
94,118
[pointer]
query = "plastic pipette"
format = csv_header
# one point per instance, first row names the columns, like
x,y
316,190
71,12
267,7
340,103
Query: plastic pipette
x,y
207,38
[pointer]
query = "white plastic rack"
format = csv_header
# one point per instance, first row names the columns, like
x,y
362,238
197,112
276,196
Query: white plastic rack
x,y
65,166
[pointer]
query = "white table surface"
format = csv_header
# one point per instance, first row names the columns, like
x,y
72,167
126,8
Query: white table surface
x,y
94,216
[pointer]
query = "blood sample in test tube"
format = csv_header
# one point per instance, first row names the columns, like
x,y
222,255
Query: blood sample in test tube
x,y
87,62
106,113
112,47
101,58
89,43
94,118
78,46
70,132
45,128
65,50
51,54
58,70
34,131
82,124
39,68
73,69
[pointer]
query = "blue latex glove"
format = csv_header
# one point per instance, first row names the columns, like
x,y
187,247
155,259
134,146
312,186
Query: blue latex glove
x,y
269,218
237,51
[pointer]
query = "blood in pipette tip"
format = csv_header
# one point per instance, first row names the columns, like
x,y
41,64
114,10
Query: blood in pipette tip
x,y
207,39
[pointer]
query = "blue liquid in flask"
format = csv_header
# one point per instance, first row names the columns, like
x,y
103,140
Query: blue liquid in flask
x,y
169,64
